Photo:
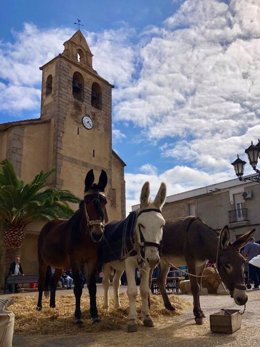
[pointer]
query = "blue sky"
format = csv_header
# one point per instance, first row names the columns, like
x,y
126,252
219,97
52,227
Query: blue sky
x,y
186,76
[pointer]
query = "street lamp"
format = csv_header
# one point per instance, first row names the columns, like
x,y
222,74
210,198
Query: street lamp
x,y
253,153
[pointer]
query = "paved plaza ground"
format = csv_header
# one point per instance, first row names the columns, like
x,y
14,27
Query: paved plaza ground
x,y
179,330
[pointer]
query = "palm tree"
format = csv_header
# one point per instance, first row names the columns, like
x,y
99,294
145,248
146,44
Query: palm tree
x,y
21,204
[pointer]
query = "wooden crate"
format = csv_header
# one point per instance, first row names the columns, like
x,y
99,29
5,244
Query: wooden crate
x,y
226,321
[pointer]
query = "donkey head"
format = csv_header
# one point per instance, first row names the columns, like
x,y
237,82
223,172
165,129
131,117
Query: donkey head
x,y
149,225
95,204
230,264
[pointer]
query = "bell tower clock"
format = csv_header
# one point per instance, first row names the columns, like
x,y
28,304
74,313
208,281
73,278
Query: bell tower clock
x,y
78,102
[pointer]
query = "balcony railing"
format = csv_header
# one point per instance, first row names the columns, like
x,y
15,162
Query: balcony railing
x,y
239,215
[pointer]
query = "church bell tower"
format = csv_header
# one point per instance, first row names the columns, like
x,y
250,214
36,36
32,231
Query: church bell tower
x,y
78,102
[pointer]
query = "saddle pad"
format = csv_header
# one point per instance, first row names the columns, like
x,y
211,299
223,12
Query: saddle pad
x,y
117,241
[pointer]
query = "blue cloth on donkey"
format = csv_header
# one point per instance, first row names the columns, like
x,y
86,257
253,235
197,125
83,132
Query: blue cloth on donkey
x,y
117,241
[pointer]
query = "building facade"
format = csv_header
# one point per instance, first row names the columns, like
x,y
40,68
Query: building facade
x,y
72,135
233,203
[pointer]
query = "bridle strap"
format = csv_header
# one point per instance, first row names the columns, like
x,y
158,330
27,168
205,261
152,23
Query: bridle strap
x,y
93,221
92,193
144,243
216,266
149,210
151,244
240,286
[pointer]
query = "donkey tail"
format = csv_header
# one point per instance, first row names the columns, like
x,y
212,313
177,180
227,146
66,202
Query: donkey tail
x,y
47,284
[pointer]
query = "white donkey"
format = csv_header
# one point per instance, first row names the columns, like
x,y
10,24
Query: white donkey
x,y
143,253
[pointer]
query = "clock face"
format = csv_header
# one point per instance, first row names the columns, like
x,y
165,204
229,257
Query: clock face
x,y
87,122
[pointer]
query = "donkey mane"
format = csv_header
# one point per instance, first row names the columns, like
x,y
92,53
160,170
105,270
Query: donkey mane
x,y
74,223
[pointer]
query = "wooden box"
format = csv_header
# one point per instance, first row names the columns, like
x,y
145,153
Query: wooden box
x,y
226,321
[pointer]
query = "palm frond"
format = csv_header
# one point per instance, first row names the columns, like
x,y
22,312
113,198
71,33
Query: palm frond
x,y
20,203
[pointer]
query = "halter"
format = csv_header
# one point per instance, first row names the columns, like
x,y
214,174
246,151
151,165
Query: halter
x,y
97,222
143,242
237,286
216,267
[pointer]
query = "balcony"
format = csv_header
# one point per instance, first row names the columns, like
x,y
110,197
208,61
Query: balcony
x,y
239,215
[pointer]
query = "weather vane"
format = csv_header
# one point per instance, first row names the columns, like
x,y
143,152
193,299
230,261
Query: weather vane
x,y
78,23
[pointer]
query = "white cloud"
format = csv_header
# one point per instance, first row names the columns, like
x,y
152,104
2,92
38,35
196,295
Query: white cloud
x,y
19,69
114,57
117,135
199,86
177,179
20,61
148,169
192,84
29,98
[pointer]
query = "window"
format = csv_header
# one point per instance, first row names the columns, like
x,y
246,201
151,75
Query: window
x,y
79,56
240,213
49,85
192,209
239,205
96,96
78,86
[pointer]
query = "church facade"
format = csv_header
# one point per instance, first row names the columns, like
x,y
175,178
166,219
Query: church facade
x,y
72,135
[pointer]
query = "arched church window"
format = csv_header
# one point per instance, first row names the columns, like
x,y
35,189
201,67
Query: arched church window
x,y
96,96
79,56
49,85
78,86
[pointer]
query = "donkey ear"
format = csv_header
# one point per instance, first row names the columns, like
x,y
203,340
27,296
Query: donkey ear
x,y
224,238
89,180
145,193
160,196
102,181
242,240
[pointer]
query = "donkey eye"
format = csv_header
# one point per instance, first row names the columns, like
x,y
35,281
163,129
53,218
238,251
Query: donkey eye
x,y
141,226
103,200
228,268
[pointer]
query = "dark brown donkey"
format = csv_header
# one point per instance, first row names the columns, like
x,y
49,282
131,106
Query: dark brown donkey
x,y
190,241
73,244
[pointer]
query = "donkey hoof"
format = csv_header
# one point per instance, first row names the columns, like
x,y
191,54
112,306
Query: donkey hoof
x,y
78,322
131,327
148,322
199,320
38,308
170,307
95,320
46,294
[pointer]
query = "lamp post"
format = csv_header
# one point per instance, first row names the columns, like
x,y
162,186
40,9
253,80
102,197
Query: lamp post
x,y
253,153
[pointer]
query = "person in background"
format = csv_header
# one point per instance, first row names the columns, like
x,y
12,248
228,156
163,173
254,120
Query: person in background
x,y
251,250
14,270
67,280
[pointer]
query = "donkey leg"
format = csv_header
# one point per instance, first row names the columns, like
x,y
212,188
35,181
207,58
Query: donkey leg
x,y
161,281
195,288
39,303
52,297
77,293
105,283
92,288
41,283
116,284
53,285
130,264
145,291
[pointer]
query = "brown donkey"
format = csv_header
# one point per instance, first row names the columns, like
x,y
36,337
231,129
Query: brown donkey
x,y
73,244
190,241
